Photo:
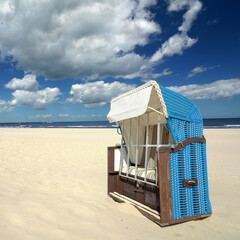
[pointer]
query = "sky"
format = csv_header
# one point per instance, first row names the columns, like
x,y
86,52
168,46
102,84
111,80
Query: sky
x,y
65,60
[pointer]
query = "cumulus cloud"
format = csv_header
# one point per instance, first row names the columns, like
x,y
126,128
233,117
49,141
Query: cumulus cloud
x,y
27,94
62,39
35,99
180,41
5,107
44,116
89,39
200,69
193,8
218,89
174,45
28,82
98,93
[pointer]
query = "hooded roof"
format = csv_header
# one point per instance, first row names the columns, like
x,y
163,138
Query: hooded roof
x,y
137,101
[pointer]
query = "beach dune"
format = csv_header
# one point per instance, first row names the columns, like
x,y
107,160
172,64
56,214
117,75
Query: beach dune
x,y
53,185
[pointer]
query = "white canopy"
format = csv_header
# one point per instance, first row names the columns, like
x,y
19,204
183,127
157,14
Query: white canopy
x,y
136,102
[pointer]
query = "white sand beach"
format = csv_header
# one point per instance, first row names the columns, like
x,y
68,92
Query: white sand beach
x,y
53,185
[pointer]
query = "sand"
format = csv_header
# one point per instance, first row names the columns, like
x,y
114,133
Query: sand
x,y
53,185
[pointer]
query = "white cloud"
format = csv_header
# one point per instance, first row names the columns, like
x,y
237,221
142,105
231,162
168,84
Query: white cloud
x,y
197,70
193,6
5,8
98,93
218,89
26,93
62,39
89,39
4,106
180,41
45,116
63,115
83,117
165,72
148,74
35,99
28,82
154,76
200,69
174,45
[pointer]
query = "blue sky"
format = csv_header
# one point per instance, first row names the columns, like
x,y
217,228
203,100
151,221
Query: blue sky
x,y
64,61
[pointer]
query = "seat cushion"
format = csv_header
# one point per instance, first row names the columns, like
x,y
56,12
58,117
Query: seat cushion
x,y
151,173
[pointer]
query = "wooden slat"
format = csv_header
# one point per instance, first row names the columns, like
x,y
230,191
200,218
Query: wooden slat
x,y
122,198
112,175
164,180
152,214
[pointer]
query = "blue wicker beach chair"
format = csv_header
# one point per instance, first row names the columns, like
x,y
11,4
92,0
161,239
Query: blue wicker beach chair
x,y
160,166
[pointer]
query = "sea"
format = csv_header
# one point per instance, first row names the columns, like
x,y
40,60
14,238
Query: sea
x,y
207,123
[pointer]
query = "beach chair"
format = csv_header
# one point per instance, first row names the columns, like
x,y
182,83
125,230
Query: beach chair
x,y
160,166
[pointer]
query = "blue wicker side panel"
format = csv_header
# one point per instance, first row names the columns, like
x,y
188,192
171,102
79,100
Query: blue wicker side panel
x,y
177,105
185,164
184,129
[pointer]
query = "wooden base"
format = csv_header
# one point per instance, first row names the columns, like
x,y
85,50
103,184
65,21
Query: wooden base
x,y
150,213
154,202
146,211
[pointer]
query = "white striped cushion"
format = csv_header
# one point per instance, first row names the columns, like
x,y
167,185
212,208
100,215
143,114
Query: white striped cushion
x,y
140,172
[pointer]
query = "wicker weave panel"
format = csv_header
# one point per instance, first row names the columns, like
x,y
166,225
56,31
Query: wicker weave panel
x,y
185,164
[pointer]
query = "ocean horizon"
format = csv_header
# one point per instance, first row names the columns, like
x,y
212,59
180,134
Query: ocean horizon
x,y
207,124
